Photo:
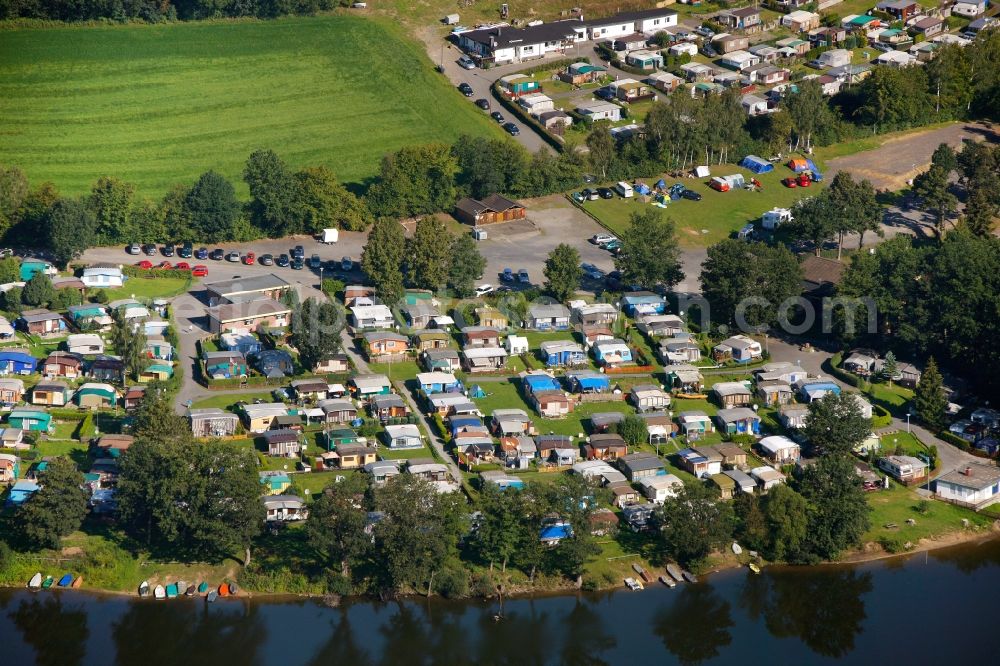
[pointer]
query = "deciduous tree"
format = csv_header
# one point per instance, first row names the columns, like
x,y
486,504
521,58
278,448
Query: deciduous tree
x,y
111,202
322,202
38,291
428,254
70,229
336,523
316,329
211,207
562,272
786,514
272,194
694,523
840,514
466,266
752,278
835,425
57,509
649,253
383,259
933,187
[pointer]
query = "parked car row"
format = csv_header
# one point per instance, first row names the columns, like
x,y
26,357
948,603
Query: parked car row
x,y
199,270
294,259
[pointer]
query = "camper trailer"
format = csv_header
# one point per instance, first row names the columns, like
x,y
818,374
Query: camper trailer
x,y
624,190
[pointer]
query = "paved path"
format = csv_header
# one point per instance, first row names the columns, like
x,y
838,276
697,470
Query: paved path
x,y
432,435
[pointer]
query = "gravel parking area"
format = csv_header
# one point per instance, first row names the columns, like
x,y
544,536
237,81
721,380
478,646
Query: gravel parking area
x,y
895,162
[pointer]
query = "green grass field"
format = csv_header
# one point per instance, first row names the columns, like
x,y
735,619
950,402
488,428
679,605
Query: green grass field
x,y
150,288
158,105
717,215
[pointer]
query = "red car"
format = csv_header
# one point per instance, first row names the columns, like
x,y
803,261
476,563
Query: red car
x,y
805,180
182,266
790,182
249,258
145,265
165,265
199,271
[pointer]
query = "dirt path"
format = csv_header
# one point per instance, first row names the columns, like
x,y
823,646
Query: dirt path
x,y
899,159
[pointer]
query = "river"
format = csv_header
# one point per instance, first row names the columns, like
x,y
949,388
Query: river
x,y
928,608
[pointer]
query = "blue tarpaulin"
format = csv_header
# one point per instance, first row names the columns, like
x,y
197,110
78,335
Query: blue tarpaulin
x,y
756,164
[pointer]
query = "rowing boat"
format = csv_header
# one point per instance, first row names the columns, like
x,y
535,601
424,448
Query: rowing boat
x,y
668,581
144,588
159,592
65,580
77,583
47,583
675,572
35,582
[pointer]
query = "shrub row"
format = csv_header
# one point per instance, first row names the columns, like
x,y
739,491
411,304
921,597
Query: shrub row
x,y
525,118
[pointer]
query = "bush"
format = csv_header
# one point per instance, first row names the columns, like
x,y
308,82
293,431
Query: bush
x,y
452,582
338,584
892,545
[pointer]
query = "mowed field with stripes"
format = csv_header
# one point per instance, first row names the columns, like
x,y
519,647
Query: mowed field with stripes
x,y
159,105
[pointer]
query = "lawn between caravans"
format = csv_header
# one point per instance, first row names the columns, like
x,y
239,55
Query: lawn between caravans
x,y
160,104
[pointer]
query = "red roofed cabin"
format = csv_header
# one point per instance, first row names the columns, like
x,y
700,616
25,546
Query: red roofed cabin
x,y
491,210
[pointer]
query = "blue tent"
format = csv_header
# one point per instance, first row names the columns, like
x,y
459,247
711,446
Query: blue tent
x,y
642,188
476,391
756,164
661,184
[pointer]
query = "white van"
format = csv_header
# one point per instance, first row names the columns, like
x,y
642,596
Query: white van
x,y
624,190
467,62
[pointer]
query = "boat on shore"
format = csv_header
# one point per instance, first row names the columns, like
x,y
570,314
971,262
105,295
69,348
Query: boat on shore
x,y
646,578
737,549
65,581
668,581
181,587
35,582
212,596
224,590
754,568
159,592
190,591
47,583
689,577
675,572
202,587
77,583
171,590
633,584
144,588
233,589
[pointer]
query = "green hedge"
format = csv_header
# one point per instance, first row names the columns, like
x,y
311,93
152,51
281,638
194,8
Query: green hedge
x,y
955,439
85,430
845,376
881,418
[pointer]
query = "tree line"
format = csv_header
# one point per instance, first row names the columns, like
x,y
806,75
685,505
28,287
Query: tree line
x,y
159,11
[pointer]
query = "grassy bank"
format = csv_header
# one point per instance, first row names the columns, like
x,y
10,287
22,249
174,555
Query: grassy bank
x,y
160,104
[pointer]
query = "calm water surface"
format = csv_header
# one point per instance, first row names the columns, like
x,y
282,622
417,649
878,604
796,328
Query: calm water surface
x,y
941,608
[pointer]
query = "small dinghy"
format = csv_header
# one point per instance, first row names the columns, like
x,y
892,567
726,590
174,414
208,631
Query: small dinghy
x,y
737,549
77,583
159,592
144,588
181,587
754,568
224,590
47,583
212,596
203,587
190,591
689,577
668,581
171,591
646,578
35,582
675,573
633,584
232,589
65,580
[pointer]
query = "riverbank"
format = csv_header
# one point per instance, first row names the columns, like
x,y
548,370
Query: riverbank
x,y
546,587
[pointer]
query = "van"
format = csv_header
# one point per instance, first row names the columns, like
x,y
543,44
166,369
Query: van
x,y
467,62
624,190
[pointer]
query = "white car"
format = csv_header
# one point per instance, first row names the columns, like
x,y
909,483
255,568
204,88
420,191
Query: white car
x,y
601,239
466,62
484,289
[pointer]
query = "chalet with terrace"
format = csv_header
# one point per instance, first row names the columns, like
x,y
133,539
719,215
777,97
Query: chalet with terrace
x,y
386,346
430,339
62,364
605,447
494,209
732,394
388,407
